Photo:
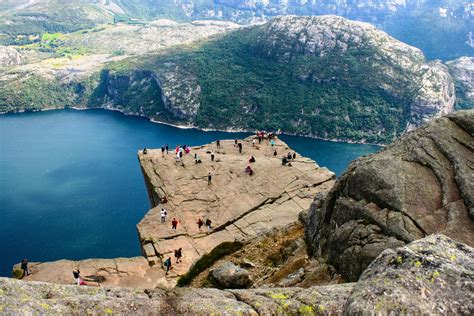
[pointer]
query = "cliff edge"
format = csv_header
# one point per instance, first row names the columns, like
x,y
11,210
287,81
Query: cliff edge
x,y
240,206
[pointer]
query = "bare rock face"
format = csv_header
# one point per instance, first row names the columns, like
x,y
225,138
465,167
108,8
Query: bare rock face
x,y
119,272
420,185
230,276
462,70
9,56
434,275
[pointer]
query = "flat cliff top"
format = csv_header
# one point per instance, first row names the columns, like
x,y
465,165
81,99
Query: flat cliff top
x,y
240,206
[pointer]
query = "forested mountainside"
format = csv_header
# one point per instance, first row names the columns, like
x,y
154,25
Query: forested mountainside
x,y
441,28
322,76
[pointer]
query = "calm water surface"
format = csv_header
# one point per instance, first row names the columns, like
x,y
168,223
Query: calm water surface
x,y
71,186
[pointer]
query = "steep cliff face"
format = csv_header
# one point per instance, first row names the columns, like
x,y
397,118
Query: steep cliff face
x,y
322,76
419,185
462,70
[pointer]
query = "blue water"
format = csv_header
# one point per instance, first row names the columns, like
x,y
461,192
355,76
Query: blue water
x,y
71,186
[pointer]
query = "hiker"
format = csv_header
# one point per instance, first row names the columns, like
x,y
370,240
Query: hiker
x,y
253,142
208,224
77,276
209,179
212,155
24,267
178,254
240,147
252,159
235,143
174,223
167,148
145,151
289,156
200,223
163,200
163,214
284,161
218,144
167,264
187,150
294,156
180,154
162,151
275,153
272,142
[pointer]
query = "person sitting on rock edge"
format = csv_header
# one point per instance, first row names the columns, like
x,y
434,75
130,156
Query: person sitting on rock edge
x,y
212,155
145,151
275,153
252,159
77,276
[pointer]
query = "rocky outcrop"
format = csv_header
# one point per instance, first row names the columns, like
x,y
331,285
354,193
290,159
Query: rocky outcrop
x,y
420,185
462,70
9,56
434,275
269,199
119,272
230,276
240,206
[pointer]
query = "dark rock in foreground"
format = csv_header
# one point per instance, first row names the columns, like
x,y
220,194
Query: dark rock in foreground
x,y
434,275
420,185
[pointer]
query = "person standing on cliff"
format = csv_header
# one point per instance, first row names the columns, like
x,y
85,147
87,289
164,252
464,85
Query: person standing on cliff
x,y
240,147
208,224
178,253
212,155
167,148
163,214
218,143
24,267
162,151
209,179
174,223
167,265
200,223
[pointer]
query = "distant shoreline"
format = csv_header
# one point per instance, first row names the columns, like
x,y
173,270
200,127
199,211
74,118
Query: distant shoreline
x,y
228,130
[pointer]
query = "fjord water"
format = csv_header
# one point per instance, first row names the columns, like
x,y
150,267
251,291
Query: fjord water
x,y
71,186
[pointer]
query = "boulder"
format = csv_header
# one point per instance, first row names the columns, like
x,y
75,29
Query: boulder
x,y
9,56
420,185
433,276
230,276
